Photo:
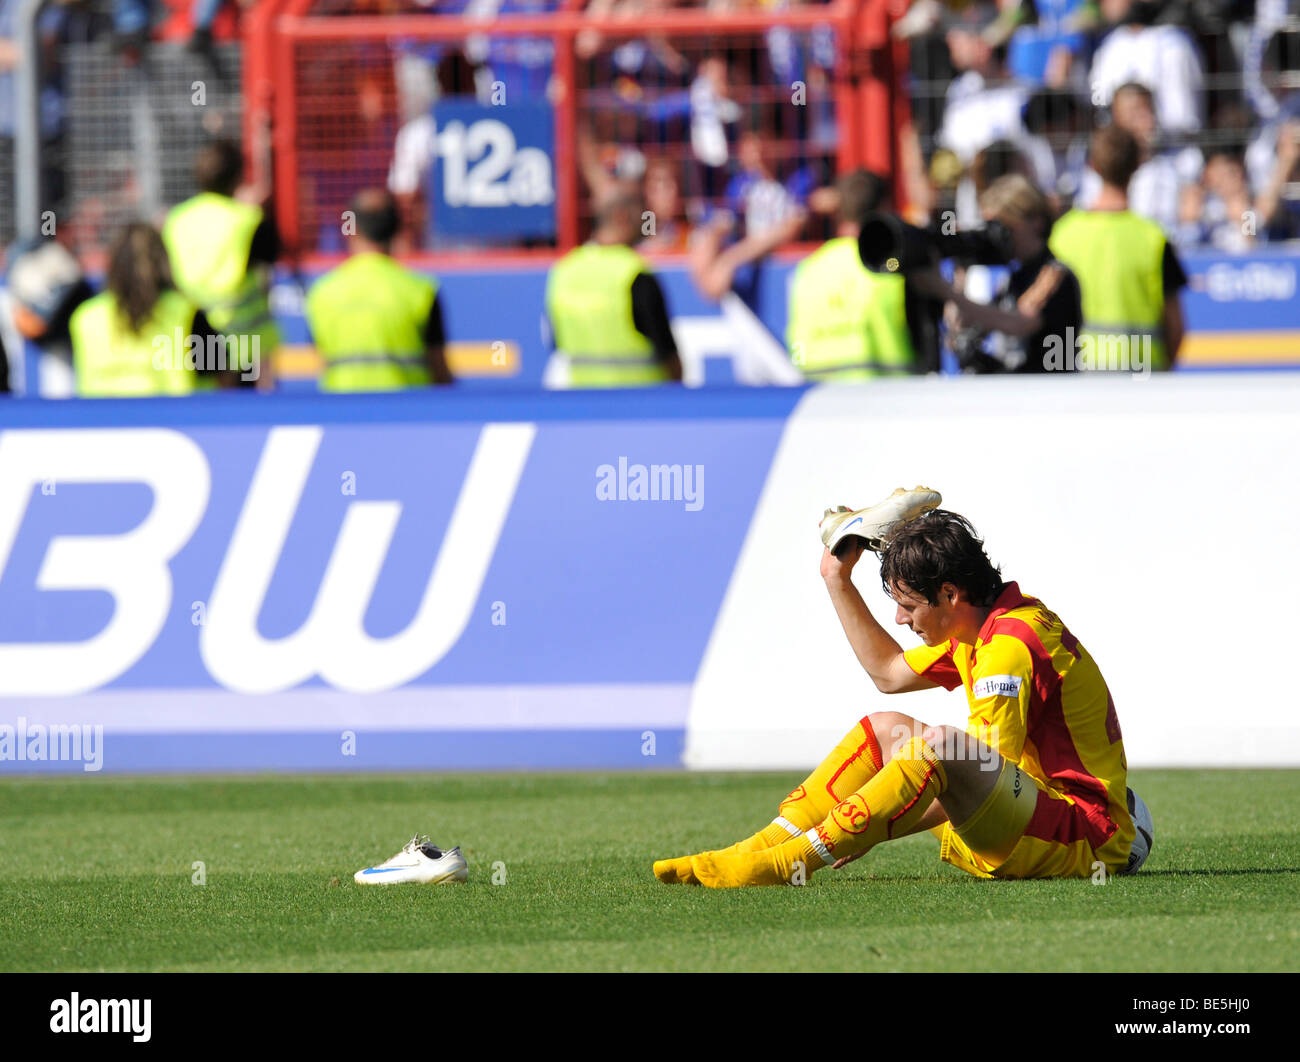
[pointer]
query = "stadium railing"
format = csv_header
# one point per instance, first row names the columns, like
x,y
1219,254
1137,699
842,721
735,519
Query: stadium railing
x,y
328,86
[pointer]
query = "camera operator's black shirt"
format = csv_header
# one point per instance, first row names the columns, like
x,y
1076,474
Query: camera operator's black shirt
x,y
922,313
1062,311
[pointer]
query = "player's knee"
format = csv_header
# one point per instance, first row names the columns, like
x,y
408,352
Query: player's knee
x,y
946,741
893,730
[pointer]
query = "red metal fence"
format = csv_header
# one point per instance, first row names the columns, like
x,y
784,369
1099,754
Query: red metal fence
x,y
808,92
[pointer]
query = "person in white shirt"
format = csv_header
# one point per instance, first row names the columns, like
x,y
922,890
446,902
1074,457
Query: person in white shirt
x,y
1163,58
983,106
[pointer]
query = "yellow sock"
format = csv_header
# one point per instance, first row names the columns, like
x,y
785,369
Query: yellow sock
x,y
850,765
887,806
786,864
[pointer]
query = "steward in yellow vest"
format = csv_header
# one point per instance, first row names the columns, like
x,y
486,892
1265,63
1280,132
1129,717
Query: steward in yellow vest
x,y
606,310
140,337
1128,274
847,323
376,325
222,251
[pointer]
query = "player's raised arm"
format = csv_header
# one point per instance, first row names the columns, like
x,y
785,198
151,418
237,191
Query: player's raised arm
x,y
880,656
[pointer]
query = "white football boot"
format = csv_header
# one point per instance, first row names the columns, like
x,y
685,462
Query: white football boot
x,y
876,523
420,862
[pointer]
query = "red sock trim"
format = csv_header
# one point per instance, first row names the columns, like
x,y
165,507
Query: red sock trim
x,y
871,745
877,760
889,829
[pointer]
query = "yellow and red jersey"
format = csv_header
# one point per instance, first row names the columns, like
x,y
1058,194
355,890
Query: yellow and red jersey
x,y
1038,696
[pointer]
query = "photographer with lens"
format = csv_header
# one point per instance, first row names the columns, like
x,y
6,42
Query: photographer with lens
x,y
1039,309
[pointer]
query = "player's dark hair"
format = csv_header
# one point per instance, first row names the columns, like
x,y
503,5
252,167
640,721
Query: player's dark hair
x,y
940,547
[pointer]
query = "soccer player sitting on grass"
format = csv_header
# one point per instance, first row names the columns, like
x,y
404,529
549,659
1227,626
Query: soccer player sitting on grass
x,y
1034,787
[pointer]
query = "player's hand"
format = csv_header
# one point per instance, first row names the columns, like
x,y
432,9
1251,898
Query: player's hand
x,y
846,860
839,565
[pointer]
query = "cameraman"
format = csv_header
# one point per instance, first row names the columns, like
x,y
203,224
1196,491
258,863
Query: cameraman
x,y
1039,309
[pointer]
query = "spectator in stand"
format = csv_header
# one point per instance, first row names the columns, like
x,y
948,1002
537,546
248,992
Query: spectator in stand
x,y
1271,18
982,105
132,23
1163,58
1052,50
203,14
711,111
705,105
755,195
424,73
761,215
1224,214
522,65
45,284
637,56
670,231
609,170
1056,143
9,60
1129,275
1268,156
1278,212
1164,187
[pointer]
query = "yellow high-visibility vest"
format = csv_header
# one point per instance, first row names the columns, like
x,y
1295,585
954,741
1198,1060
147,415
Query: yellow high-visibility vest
x,y
112,361
208,239
589,303
847,323
1118,259
367,319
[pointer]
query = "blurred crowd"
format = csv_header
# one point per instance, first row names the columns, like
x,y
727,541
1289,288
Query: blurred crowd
x,y
743,127
1208,87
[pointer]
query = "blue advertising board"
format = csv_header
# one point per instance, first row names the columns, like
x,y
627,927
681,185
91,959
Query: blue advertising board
x,y
342,582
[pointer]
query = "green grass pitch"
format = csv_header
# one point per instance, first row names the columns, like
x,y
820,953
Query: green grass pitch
x,y
96,874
